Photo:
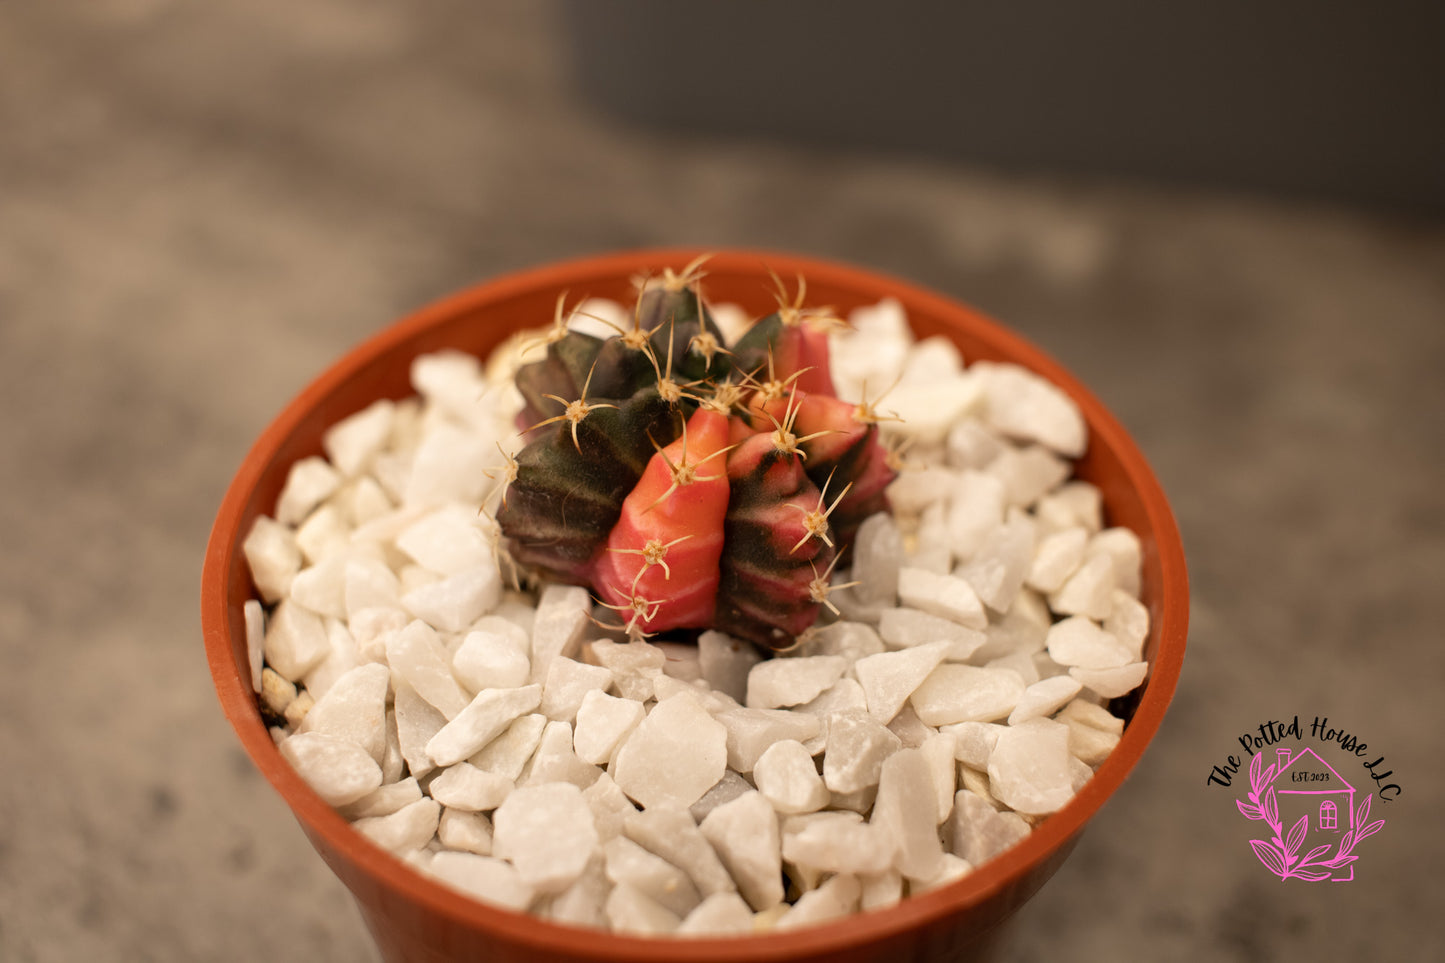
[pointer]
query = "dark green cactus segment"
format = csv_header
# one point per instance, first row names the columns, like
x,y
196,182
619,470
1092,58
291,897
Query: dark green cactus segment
x,y
567,495
562,373
758,343
680,317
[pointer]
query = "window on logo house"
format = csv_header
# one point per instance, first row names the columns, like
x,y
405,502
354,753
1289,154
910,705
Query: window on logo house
x,y
1327,815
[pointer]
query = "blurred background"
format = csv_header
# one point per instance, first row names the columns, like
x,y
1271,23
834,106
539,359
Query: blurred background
x,y
1225,218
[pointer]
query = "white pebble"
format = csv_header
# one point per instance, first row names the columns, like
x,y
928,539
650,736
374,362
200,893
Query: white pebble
x,y
786,775
631,911
321,588
324,533
1128,622
663,883
272,556
789,682
354,709
369,584
418,657
965,693
940,752
508,754
1077,641
548,834
1122,546
930,408
465,831
491,660
996,571
309,482
409,828
973,742
490,880
890,678
450,465
745,834
981,832
555,761
1023,405
672,834
838,896
837,842
1028,473
339,770
905,627
417,721
1089,591
255,618
344,656
456,601
1044,698
673,756
610,807
857,746
721,914
602,723
352,442
1029,767
1057,556
945,596
464,786
447,541
384,800
877,557
484,718
725,663
562,613
1114,681
568,682
295,641
906,810
975,508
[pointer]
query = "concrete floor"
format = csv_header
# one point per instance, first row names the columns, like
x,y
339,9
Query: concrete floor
x,y
201,205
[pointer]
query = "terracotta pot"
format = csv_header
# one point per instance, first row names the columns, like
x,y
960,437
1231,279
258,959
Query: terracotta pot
x,y
414,918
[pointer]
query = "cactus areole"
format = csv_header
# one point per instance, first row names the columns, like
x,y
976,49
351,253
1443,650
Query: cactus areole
x,y
689,483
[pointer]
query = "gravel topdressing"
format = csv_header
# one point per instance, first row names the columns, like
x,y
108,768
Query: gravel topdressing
x,y
508,743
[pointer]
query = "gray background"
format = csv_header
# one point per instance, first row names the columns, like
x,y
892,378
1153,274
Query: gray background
x,y
202,205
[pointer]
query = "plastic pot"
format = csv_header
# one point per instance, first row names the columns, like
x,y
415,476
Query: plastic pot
x,y
414,918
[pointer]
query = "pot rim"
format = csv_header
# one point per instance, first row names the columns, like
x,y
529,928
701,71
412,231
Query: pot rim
x,y
1003,871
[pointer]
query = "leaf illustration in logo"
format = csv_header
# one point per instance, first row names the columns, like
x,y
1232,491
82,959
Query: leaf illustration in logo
x,y
1269,856
1339,861
1370,830
1313,875
1362,812
1256,771
1250,812
1296,836
1271,807
1315,853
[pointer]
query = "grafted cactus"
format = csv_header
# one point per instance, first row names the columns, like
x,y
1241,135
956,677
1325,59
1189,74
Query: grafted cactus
x,y
689,485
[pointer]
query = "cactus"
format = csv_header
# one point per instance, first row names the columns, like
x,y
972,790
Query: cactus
x,y
689,485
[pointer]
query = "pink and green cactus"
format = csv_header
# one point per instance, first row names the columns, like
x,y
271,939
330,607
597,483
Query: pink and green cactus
x,y
689,484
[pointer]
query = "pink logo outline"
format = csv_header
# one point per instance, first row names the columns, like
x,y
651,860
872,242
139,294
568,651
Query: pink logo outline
x,y
1280,853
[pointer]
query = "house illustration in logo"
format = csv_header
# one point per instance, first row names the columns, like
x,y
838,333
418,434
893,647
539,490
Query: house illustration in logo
x,y
1306,785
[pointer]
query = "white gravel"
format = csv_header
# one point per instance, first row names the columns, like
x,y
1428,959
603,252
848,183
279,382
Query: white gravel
x,y
503,742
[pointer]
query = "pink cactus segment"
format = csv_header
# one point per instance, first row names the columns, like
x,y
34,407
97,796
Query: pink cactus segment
x,y
666,544
852,445
772,558
801,346
812,355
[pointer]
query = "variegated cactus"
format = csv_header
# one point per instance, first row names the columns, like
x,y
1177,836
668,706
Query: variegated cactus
x,y
693,485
